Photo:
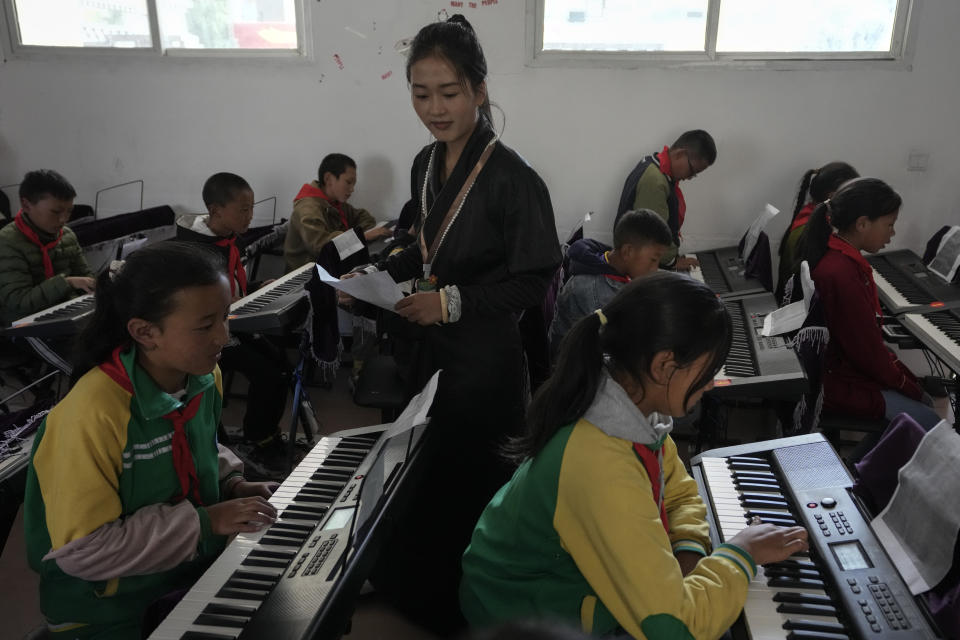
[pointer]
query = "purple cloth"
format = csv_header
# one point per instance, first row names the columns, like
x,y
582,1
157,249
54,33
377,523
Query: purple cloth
x,y
878,476
878,470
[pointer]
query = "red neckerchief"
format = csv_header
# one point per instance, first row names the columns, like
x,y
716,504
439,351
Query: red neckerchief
x,y
863,266
310,191
667,169
803,216
613,276
652,464
182,457
235,271
32,236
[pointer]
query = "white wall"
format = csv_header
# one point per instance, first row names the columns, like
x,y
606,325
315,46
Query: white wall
x,y
173,122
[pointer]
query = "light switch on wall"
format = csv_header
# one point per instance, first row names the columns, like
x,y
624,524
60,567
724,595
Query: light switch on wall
x,y
918,161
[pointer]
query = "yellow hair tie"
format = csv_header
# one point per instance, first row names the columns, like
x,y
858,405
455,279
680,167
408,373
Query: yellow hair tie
x,y
603,318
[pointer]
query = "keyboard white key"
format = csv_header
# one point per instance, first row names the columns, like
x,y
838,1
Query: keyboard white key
x,y
273,286
892,298
934,337
79,301
760,610
204,591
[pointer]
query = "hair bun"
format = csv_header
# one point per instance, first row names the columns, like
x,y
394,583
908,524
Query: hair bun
x,y
458,18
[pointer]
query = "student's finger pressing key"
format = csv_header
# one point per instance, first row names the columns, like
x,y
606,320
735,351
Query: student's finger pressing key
x,y
242,514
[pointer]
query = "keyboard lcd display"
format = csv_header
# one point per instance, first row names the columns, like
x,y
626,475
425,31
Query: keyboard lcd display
x,y
339,518
850,556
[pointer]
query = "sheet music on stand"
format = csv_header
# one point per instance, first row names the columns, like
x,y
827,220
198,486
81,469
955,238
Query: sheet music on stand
x,y
577,232
791,317
753,233
947,259
924,554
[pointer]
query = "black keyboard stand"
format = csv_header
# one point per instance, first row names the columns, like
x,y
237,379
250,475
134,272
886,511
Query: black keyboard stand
x,y
301,402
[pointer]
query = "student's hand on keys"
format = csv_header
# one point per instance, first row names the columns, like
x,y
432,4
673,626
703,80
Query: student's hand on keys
x,y
244,489
241,515
81,283
768,543
685,264
422,308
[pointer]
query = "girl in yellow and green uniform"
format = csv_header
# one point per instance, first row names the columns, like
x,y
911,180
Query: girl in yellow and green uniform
x,y
129,496
601,525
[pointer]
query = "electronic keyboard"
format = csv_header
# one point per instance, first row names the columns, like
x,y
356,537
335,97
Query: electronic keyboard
x,y
939,332
64,319
273,306
757,366
904,284
298,577
723,271
845,586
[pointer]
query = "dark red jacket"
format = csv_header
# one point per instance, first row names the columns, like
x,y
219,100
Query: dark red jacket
x,y
858,365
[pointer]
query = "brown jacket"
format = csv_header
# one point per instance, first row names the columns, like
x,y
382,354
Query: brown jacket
x,y
315,222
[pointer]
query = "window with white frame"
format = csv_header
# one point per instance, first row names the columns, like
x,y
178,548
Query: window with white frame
x,y
721,29
159,25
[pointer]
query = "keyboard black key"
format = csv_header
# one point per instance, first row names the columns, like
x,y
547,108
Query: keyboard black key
x,y
284,554
229,609
252,585
240,574
769,495
750,466
761,475
804,598
809,625
763,504
807,609
799,564
242,594
265,562
211,620
782,522
276,541
794,572
204,635
302,507
786,582
816,635
292,526
754,486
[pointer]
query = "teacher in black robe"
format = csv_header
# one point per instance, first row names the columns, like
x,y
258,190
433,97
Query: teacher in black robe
x,y
487,250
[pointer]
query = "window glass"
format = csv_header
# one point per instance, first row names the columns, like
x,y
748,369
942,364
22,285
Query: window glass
x,y
83,23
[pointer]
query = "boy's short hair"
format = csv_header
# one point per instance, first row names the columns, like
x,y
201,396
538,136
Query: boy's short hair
x,y
222,188
641,227
45,182
335,163
699,143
